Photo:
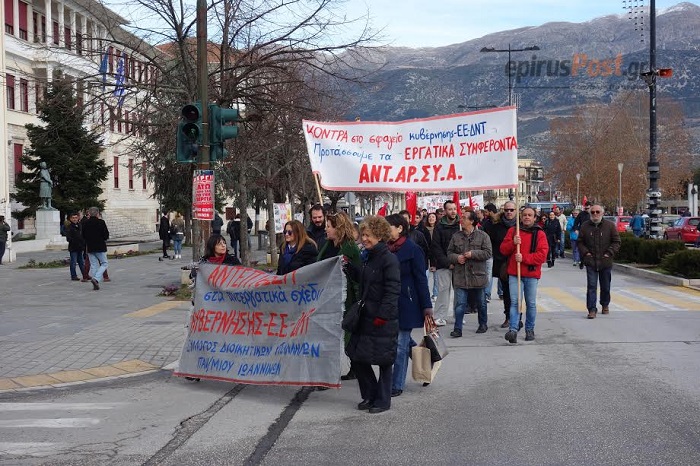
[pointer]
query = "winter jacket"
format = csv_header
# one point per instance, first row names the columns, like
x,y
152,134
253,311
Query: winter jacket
x,y
304,256
598,243
442,234
415,295
497,231
380,285
417,236
4,229
234,230
531,265
552,229
74,236
318,234
473,273
96,234
164,229
581,218
216,224
177,229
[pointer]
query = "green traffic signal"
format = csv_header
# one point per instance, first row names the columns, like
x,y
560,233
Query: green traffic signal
x,y
221,129
189,133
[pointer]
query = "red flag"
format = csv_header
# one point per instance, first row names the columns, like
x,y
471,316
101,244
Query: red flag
x,y
382,211
471,202
455,198
585,199
411,205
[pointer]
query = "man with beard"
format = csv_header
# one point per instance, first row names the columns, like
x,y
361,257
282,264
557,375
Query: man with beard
x,y
317,229
497,230
598,243
533,253
446,227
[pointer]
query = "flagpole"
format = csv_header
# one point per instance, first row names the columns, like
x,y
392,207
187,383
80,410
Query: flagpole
x,y
318,189
517,251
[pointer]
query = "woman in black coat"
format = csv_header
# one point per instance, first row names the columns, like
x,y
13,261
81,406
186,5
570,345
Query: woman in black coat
x,y
375,341
297,250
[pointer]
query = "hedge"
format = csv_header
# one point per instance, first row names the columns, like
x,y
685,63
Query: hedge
x,y
646,251
684,263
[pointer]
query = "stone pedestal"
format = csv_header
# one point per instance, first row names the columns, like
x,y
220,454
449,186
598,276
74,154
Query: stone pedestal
x,y
48,225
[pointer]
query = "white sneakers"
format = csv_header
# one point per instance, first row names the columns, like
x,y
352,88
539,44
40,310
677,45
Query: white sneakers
x,y
440,322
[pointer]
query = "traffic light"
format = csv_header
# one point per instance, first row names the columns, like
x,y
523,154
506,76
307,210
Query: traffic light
x,y
221,128
189,133
664,72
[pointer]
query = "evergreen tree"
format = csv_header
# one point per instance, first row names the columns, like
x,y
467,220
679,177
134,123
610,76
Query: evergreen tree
x,y
71,152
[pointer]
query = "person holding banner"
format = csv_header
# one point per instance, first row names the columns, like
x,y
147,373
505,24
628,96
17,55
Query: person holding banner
x,y
414,300
216,252
375,341
340,241
297,250
532,254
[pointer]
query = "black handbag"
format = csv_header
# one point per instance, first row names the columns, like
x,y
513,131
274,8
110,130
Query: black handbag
x,y
353,316
434,341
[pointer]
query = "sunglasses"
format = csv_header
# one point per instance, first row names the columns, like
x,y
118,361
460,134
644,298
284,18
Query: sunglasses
x,y
596,211
509,210
288,232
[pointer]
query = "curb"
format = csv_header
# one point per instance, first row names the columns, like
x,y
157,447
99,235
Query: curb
x,y
659,277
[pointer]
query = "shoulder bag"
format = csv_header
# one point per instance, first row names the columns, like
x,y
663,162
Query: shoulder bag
x,y
353,316
434,341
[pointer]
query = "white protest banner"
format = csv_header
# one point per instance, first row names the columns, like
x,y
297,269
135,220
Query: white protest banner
x,y
477,202
433,203
252,327
203,195
281,215
462,152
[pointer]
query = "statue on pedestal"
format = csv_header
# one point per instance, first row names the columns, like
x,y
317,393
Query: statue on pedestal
x,y
45,186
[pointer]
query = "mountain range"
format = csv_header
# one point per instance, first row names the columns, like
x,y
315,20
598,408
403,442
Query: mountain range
x,y
575,64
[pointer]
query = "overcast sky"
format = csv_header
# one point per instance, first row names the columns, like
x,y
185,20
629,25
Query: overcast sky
x,y
425,23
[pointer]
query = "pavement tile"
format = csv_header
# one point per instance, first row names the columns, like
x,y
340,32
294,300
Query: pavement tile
x,y
104,371
35,380
72,376
134,365
8,384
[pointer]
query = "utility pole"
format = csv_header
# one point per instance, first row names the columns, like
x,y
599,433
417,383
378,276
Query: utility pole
x,y
202,228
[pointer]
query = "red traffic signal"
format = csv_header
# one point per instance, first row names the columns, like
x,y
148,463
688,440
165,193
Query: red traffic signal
x,y
664,72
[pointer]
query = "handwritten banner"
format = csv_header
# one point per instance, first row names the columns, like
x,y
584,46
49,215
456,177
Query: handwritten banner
x,y
468,151
281,214
252,327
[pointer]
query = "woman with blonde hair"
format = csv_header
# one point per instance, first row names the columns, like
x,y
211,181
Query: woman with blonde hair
x,y
297,250
177,233
376,338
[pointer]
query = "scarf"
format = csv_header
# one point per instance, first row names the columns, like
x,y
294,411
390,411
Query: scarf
x,y
394,246
288,253
508,223
217,259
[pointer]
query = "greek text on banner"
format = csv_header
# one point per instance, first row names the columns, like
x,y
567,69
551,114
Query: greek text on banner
x,y
248,326
468,151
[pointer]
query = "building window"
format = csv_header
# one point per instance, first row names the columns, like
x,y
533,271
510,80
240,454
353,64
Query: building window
x,y
23,21
18,150
79,44
115,170
143,176
120,122
43,29
24,95
10,83
67,38
131,174
55,32
9,17
110,51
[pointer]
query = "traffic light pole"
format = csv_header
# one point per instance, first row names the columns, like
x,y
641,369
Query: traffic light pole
x,y
202,228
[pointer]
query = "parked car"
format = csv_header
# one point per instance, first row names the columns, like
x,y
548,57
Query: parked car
x,y
668,220
622,223
684,229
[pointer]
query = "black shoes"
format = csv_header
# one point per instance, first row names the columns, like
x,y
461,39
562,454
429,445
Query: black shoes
x,y
511,336
395,392
365,404
456,333
377,410
482,329
529,335
505,324
349,376
95,284
580,265
75,279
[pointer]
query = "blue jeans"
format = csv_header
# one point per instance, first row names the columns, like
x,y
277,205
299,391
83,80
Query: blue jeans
x,y
489,269
574,249
529,289
401,364
98,264
177,246
594,276
474,297
561,244
500,288
76,257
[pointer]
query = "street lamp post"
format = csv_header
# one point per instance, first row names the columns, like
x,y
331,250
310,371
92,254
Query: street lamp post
x,y
550,191
508,67
619,198
578,184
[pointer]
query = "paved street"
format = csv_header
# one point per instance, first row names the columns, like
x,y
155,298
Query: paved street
x,y
620,389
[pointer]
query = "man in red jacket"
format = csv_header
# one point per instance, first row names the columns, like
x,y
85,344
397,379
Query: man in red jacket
x,y
533,253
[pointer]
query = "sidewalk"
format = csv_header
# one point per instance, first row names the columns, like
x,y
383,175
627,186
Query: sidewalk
x,y
56,331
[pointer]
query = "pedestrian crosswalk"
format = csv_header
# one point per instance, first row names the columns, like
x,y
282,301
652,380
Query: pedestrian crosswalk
x,y
46,429
644,299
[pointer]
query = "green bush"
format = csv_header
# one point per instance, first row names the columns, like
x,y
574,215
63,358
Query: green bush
x,y
646,251
685,263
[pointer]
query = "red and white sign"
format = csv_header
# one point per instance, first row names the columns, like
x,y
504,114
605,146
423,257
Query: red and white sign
x,y
462,152
203,195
